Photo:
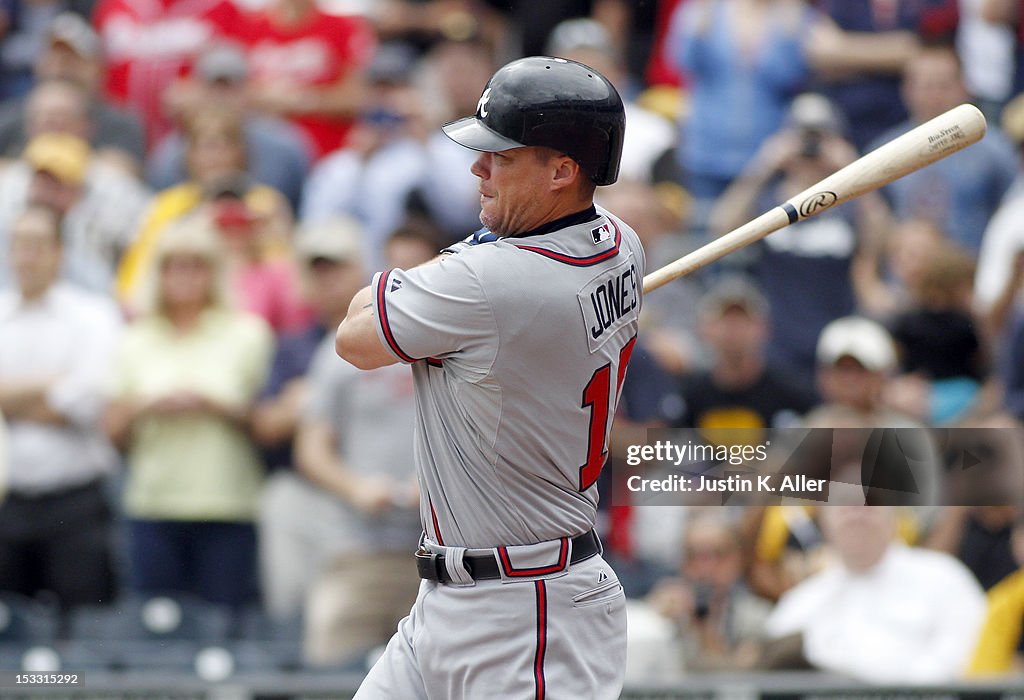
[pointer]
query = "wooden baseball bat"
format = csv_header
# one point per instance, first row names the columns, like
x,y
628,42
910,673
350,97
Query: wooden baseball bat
x,y
942,136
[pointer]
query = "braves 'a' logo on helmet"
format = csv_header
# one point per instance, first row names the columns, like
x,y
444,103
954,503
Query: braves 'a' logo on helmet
x,y
482,104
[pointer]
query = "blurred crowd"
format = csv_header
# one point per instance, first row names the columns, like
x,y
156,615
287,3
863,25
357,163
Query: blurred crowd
x,y
191,191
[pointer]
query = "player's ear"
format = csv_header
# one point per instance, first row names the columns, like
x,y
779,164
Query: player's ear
x,y
565,172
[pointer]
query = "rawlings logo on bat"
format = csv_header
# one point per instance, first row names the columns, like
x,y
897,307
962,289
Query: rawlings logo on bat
x,y
816,202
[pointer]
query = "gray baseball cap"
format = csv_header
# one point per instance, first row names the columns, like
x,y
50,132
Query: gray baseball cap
x,y
222,62
733,292
74,32
338,239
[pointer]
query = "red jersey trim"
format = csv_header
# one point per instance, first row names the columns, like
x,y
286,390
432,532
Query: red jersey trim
x,y
512,572
382,316
433,517
540,683
577,261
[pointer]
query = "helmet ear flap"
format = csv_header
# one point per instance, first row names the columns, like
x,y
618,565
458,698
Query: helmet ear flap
x,y
551,102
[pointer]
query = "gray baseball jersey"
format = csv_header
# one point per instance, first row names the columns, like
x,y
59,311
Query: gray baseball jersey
x,y
519,347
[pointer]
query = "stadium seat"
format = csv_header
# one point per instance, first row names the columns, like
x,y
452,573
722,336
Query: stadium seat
x,y
25,620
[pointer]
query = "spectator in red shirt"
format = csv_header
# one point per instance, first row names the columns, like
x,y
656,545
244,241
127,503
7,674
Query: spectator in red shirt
x,y
308,66
149,44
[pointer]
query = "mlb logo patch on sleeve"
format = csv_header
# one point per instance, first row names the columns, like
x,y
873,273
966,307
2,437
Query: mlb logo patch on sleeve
x,y
601,233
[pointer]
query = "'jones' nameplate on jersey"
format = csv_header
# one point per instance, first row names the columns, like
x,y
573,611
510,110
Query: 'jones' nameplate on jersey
x,y
610,301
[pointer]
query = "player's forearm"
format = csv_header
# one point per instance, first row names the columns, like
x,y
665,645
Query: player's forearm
x,y
358,322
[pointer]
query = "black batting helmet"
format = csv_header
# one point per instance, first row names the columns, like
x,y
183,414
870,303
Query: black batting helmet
x,y
552,102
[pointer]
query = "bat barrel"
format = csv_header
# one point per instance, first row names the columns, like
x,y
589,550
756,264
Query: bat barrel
x,y
932,141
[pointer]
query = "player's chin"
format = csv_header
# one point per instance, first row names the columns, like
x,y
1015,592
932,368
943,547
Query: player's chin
x,y
491,220
486,202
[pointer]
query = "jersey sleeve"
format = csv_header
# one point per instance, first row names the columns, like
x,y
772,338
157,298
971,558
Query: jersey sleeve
x,y
436,311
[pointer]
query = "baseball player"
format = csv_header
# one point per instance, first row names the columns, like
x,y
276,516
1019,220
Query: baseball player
x,y
519,338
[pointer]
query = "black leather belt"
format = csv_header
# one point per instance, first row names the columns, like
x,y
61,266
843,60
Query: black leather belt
x,y
482,567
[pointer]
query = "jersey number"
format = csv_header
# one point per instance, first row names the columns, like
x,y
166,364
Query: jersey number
x,y
597,397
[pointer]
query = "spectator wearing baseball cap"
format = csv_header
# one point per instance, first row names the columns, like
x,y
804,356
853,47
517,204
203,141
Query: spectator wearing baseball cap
x,y
24,33
72,53
740,389
860,339
353,449
98,204
279,152
857,361
329,254
63,157
856,356
264,282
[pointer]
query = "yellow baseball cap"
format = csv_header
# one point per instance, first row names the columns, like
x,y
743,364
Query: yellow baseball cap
x,y
62,155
